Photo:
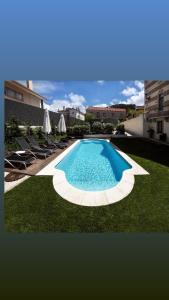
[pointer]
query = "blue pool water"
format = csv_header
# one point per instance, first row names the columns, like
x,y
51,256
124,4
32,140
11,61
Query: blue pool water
x,y
93,165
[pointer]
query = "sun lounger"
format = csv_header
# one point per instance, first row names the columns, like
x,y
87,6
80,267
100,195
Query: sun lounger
x,y
34,144
15,159
50,144
56,143
65,140
26,147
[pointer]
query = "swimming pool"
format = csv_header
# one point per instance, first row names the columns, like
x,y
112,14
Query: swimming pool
x,y
93,173
93,165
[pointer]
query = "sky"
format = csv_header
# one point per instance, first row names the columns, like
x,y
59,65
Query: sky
x,y
82,94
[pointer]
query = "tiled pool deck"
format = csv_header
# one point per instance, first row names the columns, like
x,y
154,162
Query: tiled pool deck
x,y
92,198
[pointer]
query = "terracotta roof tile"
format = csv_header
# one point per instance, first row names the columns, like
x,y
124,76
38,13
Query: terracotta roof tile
x,y
94,108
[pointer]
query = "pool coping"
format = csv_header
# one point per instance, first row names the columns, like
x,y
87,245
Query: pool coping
x,y
92,198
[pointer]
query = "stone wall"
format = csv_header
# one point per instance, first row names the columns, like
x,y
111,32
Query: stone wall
x,y
33,115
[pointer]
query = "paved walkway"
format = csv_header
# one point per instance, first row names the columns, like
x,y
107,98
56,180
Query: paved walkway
x,y
9,185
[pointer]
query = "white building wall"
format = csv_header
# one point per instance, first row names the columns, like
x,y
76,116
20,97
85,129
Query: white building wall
x,y
135,126
80,116
76,114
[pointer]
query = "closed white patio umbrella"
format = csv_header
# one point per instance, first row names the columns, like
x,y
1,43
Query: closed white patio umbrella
x,y
61,125
46,122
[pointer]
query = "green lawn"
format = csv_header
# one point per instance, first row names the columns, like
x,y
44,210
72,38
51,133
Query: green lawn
x,y
35,206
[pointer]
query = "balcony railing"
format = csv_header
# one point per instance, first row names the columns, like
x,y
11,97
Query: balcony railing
x,y
157,114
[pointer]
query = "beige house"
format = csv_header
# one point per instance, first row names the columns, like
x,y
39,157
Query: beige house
x,y
15,91
107,114
157,108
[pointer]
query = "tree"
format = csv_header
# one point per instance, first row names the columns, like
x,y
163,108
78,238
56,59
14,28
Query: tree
x,y
90,118
131,113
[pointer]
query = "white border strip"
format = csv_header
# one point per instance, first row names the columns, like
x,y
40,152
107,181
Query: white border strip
x,y
92,198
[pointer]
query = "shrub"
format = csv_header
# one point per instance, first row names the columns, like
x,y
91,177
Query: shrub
x,y
39,133
97,127
12,129
53,128
151,132
70,130
163,137
78,130
29,130
23,131
108,128
120,129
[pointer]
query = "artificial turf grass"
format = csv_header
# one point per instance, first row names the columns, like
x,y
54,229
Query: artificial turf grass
x,y
34,206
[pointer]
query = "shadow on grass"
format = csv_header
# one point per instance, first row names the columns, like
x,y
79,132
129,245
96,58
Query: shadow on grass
x,y
146,149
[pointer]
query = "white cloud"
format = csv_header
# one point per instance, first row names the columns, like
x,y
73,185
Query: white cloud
x,y
135,94
101,105
139,84
71,100
46,106
129,91
76,99
46,87
100,82
137,99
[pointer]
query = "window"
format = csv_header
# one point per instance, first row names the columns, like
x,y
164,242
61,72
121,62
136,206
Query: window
x,y
13,94
10,93
19,96
98,115
160,101
159,126
104,115
41,103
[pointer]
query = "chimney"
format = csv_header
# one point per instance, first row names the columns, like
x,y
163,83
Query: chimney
x,y
29,84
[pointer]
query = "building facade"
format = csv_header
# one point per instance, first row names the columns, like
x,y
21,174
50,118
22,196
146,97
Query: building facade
x,y
132,110
107,114
27,107
14,91
157,108
75,113
24,104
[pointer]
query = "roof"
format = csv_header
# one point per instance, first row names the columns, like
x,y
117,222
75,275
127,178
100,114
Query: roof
x,y
140,107
111,109
16,83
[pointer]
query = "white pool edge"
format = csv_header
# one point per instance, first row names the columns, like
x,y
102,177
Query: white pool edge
x,y
92,198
